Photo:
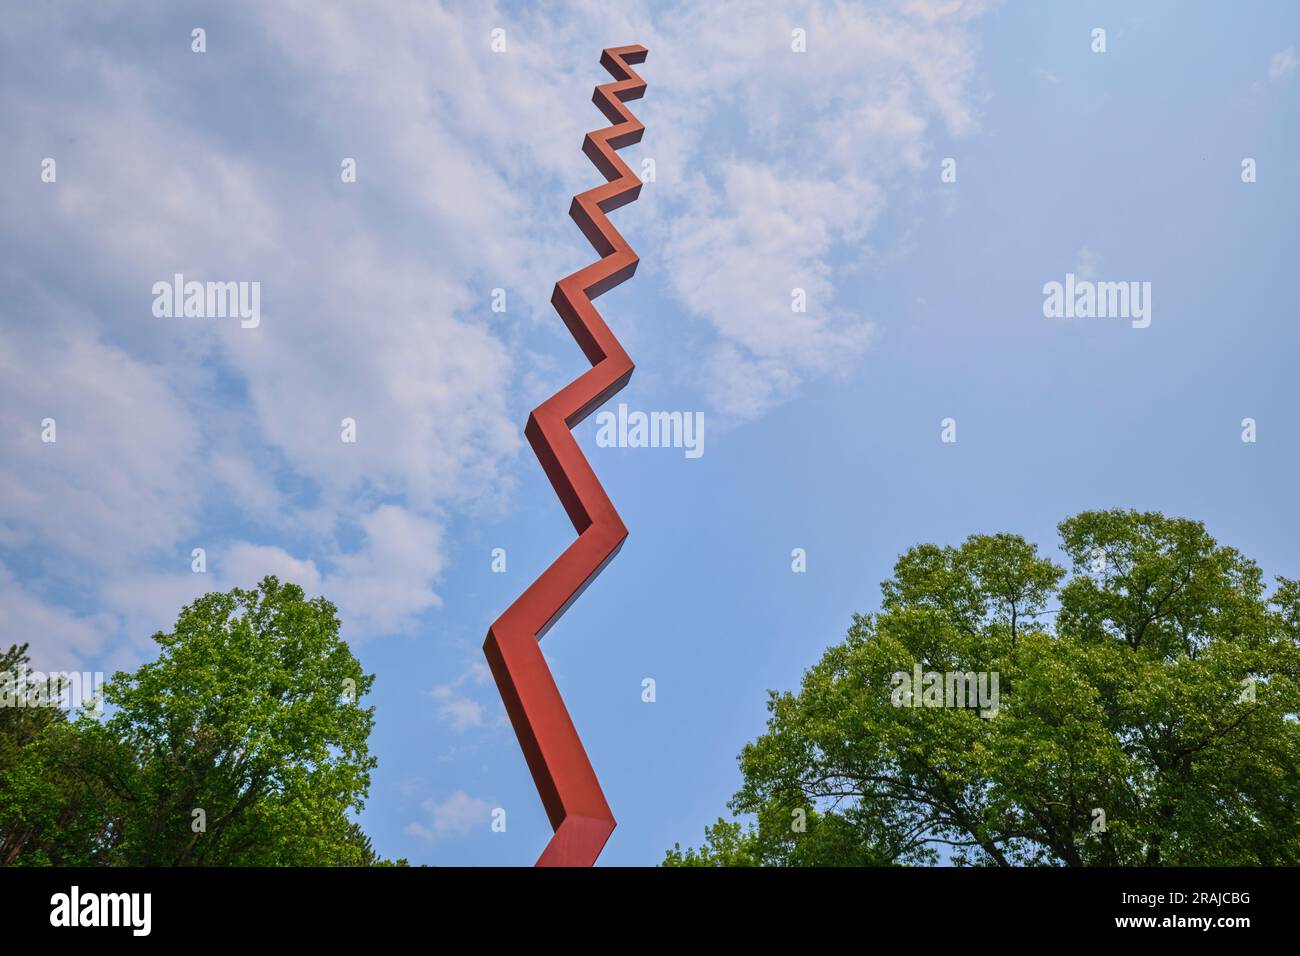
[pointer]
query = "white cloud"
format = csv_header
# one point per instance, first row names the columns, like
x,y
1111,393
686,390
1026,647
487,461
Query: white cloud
x,y
824,135
457,815
460,711
121,477
385,585
243,565
58,639
378,589
243,482
1088,264
738,261
358,322
1282,63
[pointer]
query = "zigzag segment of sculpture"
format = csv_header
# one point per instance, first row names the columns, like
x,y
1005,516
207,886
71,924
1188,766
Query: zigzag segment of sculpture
x,y
564,776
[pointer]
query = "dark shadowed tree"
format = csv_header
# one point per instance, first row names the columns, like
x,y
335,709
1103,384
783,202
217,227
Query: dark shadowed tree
x,y
1146,714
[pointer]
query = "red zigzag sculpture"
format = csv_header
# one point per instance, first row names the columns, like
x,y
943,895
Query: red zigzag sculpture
x,y
565,779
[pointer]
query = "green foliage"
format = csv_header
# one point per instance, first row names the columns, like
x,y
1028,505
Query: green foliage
x,y
1136,703
244,743
828,839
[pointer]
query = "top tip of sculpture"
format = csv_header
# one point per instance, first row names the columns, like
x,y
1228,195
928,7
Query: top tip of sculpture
x,y
632,53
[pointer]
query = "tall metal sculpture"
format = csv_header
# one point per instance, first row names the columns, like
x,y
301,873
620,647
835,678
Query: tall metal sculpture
x,y
565,779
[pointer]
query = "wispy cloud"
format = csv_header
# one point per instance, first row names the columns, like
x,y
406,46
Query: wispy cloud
x,y
1282,63
454,705
1088,264
461,712
457,815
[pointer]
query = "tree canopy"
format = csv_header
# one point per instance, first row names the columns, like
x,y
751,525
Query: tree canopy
x,y
244,743
1146,714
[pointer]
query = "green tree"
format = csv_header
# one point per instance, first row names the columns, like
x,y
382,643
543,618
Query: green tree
x,y
43,807
244,743
1146,714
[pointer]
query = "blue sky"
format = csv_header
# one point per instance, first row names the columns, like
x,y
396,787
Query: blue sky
x,y
774,170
